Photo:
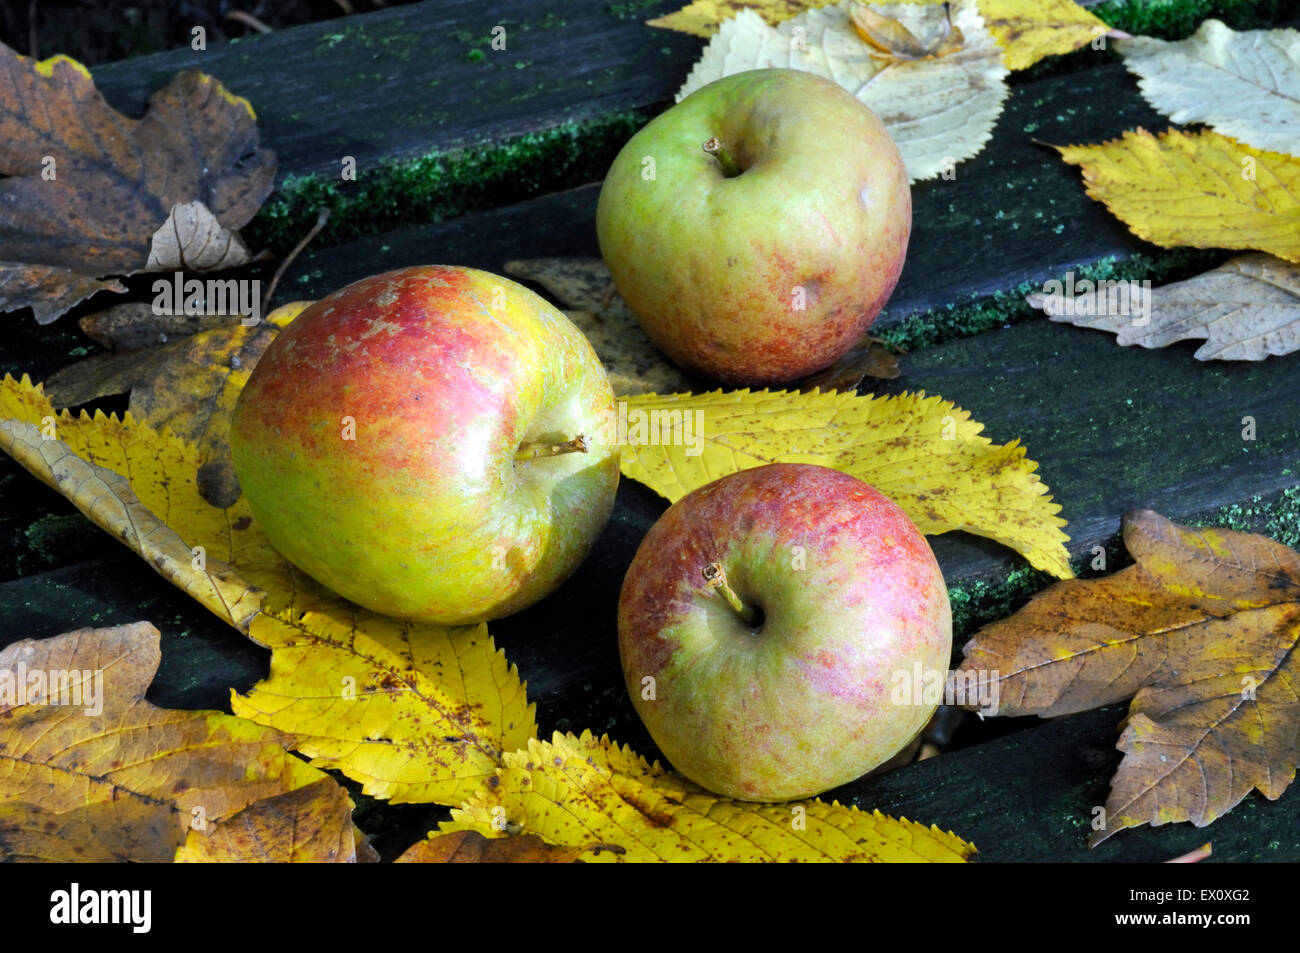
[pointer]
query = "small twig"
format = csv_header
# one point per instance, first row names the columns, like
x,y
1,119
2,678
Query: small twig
x,y
1192,856
322,217
716,578
248,20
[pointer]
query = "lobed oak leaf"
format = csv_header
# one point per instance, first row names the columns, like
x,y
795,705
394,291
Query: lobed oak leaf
x,y
82,753
1246,310
85,190
1202,633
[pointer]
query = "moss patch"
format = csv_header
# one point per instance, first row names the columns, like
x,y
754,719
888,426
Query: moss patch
x,y
982,313
441,185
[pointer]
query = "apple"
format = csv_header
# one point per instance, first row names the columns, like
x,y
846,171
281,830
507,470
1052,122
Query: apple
x,y
430,443
757,227
764,623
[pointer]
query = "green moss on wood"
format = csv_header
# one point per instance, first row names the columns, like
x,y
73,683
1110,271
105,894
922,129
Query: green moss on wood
x,y
442,185
982,313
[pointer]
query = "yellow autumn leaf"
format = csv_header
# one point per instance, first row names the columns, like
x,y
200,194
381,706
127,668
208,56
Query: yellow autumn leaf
x,y
922,452
106,498
162,472
415,712
1029,30
703,17
581,792
82,752
1203,190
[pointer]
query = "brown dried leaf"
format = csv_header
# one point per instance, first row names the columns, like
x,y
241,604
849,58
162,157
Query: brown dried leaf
x,y
471,847
1202,632
84,188
89,757
108,500
133,325
308,825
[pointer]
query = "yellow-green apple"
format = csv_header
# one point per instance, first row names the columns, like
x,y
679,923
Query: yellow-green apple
x,y
763,626
767,256
431,443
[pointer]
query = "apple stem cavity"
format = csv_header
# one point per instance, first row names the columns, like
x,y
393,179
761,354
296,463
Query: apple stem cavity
x,y
532,450
715,148
716,578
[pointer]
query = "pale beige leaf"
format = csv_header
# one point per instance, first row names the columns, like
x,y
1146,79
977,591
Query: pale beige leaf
x,y
193,240
1245,85
1246,310
939,110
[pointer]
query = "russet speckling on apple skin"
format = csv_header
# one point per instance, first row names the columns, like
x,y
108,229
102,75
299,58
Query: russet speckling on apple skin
x,y
850,594
429,513
768,275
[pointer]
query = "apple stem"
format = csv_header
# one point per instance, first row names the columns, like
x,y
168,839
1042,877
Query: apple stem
x,y
715,148
535,449
716,578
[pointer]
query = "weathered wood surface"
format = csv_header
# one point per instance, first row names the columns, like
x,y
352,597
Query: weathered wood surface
x,y
1112,428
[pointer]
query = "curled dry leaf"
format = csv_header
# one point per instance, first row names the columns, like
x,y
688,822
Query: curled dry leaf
x,y
1244,85
193,240
107,499
308,825
1203,190
938,109
85,189
583,792
1246,310
922,452
88,756
1201,633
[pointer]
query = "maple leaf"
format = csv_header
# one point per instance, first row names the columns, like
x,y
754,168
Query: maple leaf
x,y
88,193
1246,309
188,386
938,109
82,752
922,452
308,825
1243,85
583,792
1202,633
1203,190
